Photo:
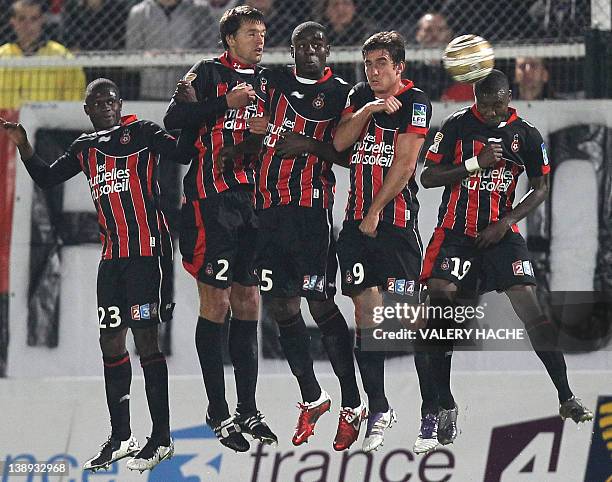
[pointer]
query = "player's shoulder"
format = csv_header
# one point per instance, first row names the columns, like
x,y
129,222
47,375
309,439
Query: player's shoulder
x,y
412,93
361,91
458,117
338,83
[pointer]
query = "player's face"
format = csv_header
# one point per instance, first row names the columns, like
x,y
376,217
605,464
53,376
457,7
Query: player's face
x,y
493,108
247,43
103,107
383,75
310,50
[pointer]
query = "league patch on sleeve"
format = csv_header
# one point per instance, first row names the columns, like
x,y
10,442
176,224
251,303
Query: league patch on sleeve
x,y
419,115
544,154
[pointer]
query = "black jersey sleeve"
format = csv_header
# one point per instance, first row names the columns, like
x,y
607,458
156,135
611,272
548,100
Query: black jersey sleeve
x,y
442,150
167,145
46,175
266,80
535,155
208,107
416,115
356,98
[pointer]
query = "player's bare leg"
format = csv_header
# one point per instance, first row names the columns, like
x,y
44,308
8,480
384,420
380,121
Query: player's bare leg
x,y
337,341
543,336
117,378
372,369
214,306
159,445
295,342
243,349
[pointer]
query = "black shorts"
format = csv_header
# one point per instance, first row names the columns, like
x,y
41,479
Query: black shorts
x,y
134,292
217,239
296,252
391,260
452,256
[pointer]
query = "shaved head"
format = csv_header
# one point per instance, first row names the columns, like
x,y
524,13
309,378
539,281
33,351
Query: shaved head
x,y
493,85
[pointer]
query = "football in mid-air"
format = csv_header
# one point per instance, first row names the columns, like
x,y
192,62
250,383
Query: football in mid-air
x,y
468,58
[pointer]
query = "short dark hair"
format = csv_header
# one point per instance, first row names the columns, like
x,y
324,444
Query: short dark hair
x,y
99,84
233,18
393,42
30,3
492,84
305,26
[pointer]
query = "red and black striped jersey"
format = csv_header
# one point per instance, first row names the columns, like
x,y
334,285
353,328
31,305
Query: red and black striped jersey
x,y
215,126
308,107
476,201
374,152
121,166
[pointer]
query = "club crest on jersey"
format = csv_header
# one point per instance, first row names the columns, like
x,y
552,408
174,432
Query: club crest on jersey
x,y
319,101
515,143
209,270
348,278
445,265
125,137
263,82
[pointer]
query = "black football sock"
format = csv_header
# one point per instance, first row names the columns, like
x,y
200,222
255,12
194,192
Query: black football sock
x,y
209,343
440,352
243,352
544,336
427,383
156,386
295,341
372,370
117,380
338,345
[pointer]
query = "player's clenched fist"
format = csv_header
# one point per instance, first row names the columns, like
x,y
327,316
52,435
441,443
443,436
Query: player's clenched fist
x,y
184,92
15,131
258,125
489,155
240,96
388,105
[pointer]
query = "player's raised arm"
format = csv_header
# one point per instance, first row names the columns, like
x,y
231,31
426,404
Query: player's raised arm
x,y
436,175
352,123
44,174
188,108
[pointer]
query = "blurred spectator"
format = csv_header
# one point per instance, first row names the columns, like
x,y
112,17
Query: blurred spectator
x,y
218,8
433,32
19,85
345,25
279,25
531,79
94,24
168,25
561,18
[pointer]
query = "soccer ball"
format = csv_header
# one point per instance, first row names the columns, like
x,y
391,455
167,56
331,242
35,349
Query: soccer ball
x,y
468,58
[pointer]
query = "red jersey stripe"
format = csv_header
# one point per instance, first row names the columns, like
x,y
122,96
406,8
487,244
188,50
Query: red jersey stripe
x,y
110,163
140,209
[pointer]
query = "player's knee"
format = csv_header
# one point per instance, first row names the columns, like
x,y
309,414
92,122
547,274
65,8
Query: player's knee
x,y
319,308
280,308
245,302
214,302
113,343
146,340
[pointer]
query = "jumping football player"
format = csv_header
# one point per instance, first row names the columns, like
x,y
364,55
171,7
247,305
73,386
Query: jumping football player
x,y
218,223
120,160
385,123
478,155
296,246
